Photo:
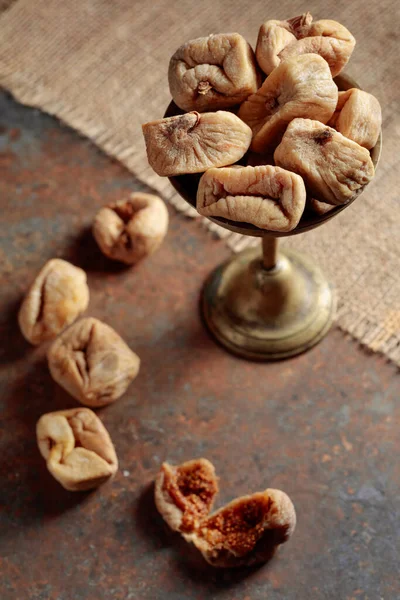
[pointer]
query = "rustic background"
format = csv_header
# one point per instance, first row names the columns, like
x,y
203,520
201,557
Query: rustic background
x,y
101,67
323,426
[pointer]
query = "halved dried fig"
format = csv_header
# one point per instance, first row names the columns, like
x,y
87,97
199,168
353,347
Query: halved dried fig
x,y
131,229
333,167
265,196
279,40
184,494
247,530
77,448
92,362
212,72
302,86
55,299
358,116
194,142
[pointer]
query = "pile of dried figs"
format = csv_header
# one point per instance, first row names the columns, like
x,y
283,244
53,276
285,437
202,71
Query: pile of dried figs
x,y
300,141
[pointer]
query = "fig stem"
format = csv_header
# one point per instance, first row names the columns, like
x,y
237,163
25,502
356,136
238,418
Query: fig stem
x,y
270,251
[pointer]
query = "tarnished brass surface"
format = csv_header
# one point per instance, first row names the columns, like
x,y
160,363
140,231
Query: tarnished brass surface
x,y
268,314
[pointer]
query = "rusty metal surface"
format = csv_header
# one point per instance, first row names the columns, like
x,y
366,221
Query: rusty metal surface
x,y
324,427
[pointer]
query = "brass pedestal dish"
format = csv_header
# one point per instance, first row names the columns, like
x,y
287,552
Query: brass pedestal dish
x,y
268,313
263,304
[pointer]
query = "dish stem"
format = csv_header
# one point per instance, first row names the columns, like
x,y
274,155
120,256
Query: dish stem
x,y
270,251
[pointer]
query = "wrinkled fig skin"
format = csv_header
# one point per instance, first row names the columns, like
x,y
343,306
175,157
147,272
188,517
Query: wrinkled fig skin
x,y
320,208
213,72
265,196
302,86
132,229
77,448
279,40
246,531
92,362
333,167
194,142
184,494
358,116
55,299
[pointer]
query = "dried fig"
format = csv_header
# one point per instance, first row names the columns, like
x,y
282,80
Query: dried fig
x,y
247,530
194,142
279,40
244,532
320,208
333,167
265,196
131,229
273,37
358,116
212,72
301,86
184,494
77,448
92,362
54,300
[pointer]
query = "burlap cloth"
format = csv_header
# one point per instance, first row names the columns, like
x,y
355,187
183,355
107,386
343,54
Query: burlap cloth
x,y
101,66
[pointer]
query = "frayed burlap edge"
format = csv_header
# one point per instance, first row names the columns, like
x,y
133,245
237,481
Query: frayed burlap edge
x,y
384,339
